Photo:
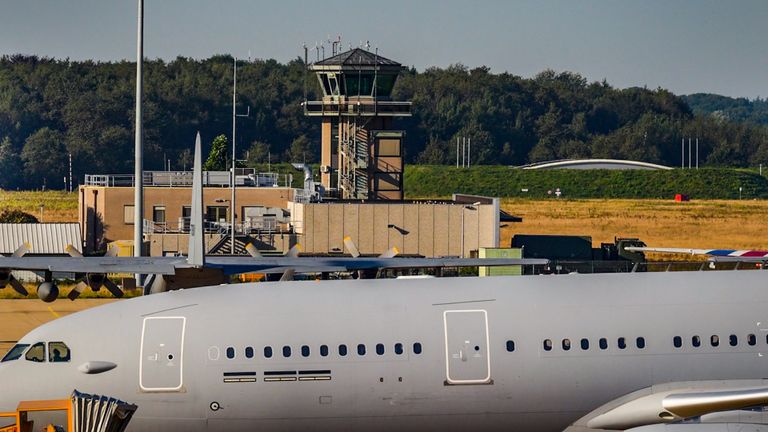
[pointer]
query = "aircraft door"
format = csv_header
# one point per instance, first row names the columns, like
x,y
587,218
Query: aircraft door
x,y
162,354
466,347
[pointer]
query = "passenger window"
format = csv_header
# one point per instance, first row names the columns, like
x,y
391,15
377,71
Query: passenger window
x,y
566,344
417,348
751,339
361,349
380,349
398,348
304,351
248,352
230,353
342,350
547,345
640,342
603,343
267,352
733,340
286,351
510,345
714,340
324,350
585,344
696,341
622,343
15,352
677,341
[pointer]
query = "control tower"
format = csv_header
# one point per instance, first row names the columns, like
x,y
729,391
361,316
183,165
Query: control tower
x,y
361,155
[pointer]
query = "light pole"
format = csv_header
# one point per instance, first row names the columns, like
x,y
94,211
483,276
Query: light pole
x,y
235,115
138,184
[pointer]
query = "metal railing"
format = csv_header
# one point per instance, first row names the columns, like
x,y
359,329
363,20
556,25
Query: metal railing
x,y
383,108
253,226
244,177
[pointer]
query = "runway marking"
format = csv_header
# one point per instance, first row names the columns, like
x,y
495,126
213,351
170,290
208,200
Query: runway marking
x,y
53,312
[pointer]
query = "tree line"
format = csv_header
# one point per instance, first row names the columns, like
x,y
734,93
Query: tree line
x,y
52,108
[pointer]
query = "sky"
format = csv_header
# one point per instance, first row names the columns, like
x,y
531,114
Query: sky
x,y
686,46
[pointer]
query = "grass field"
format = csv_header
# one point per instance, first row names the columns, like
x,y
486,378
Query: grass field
x,y
662,223
58,206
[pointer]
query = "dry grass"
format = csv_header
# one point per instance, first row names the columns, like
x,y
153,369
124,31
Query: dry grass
x,y
660,223
58,206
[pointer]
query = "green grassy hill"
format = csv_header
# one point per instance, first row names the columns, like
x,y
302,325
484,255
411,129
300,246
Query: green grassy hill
x,y
503,181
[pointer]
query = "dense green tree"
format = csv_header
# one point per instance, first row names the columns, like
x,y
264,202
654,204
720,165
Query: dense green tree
x,y
258,153
45,159
88,108
10,165
16,216
217,158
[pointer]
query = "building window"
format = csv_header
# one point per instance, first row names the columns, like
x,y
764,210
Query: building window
x,y
216,213
128,214
158,214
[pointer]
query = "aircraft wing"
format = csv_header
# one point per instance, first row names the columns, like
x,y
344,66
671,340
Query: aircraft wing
x,y
715,254
236,265
648,409
144,265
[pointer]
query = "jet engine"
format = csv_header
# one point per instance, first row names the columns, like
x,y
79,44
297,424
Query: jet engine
x,y
47,291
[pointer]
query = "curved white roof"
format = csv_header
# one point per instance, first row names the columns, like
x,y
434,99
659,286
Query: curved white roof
x,y
619,164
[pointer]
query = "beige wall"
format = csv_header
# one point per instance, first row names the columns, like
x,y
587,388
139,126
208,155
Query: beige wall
x,y
428,229
101,209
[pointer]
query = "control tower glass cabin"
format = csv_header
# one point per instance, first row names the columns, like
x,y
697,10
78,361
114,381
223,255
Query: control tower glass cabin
x,y
361,155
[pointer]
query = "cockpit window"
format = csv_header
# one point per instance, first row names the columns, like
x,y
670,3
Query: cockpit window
x,y
58,352
36,353
15,352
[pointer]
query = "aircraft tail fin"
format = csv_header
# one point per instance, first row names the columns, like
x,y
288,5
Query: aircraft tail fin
x,y
196,255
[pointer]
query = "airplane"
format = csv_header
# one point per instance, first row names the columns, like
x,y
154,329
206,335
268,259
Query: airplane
x,y
716,255
640,352
196,269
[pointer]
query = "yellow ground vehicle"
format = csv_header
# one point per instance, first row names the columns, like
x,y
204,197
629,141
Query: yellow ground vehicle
x,y
23,423
80,413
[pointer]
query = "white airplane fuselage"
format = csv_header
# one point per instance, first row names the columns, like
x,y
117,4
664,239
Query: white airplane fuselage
x,y
445,353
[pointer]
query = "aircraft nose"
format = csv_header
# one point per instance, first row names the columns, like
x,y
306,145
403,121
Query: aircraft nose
x,y
9,396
